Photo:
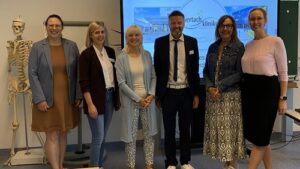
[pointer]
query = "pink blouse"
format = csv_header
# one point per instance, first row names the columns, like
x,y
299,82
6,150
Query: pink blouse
x,y
266,56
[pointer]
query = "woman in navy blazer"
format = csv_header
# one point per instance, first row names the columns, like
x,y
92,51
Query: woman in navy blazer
x,y
99,87
56,95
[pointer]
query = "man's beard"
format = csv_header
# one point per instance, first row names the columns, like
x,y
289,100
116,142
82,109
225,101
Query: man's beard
x,y
177,33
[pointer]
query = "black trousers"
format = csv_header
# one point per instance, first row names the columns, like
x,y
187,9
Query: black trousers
x,y
177,101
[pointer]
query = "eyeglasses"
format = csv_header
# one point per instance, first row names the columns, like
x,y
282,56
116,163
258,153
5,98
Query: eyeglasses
x,y
54,26
229,26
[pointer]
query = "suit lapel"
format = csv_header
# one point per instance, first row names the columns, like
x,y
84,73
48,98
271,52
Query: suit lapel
x,y
96,59
67,53
167,52
48,54
111,55
187,52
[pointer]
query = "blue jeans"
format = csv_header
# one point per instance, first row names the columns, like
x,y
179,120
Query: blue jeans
x,y
99,127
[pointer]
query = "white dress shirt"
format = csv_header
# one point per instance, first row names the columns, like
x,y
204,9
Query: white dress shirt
x,y
181,74
107,67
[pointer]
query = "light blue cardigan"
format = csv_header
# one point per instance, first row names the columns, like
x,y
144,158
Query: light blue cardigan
x,y
129,98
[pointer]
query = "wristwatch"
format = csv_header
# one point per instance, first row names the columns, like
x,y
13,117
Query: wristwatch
x,y
283,98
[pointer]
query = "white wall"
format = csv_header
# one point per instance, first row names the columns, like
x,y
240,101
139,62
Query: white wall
x,y
34,13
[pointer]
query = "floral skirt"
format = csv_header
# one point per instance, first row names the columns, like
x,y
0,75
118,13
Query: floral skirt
x,y
223,132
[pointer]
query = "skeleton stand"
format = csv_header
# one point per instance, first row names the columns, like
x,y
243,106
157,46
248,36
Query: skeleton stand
x,y
81,156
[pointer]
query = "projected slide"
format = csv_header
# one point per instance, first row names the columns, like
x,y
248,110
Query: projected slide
x,y
201,17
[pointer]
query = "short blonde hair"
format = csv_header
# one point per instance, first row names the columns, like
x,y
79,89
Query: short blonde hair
x,y
92,27
131,29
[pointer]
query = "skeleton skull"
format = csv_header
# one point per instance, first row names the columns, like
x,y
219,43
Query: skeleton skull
x,y
18,26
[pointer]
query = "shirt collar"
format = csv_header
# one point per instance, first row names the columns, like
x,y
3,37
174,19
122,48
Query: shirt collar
x,y
171,38
102,53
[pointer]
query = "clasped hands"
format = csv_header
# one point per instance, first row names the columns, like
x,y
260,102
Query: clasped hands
x,y
145,102
214,92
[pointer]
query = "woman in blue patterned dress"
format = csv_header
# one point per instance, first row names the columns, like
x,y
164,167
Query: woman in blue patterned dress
x,y
223,135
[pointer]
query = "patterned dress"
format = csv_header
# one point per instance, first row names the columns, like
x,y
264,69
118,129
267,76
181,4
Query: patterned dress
x,y
223,131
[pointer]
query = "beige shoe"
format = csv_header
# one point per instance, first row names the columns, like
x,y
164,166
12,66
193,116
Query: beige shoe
x,y
230,167
171,167
149,166
187,166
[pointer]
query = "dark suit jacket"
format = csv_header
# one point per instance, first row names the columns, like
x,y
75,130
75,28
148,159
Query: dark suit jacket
x,y
92,78
162,64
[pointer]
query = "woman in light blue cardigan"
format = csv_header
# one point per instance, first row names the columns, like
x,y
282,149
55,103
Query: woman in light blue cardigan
x,y
136,79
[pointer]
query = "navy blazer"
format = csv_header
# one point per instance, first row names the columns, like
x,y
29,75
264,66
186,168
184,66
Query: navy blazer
x,y
92,78
40,71
162,64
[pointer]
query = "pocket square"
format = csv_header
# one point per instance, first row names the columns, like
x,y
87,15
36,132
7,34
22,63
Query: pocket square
x,y
191,52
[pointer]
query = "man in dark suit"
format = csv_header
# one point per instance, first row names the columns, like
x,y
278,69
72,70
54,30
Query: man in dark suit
x,y
176,62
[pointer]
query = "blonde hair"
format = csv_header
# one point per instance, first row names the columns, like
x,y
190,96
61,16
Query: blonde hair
x,y
92,27
131,29
262,10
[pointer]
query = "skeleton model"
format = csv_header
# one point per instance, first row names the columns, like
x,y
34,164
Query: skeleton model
x,y
18,83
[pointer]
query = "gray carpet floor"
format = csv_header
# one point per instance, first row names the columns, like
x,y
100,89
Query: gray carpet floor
x,y
286,155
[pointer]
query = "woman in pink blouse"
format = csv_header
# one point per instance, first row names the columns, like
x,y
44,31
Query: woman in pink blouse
x,y
264,87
